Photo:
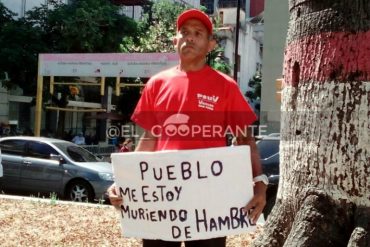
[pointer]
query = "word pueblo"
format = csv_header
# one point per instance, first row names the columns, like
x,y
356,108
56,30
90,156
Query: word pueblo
x,y
183,171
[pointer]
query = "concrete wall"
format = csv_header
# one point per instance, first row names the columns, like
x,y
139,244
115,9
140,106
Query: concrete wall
x,y
15,108
276,17
251,57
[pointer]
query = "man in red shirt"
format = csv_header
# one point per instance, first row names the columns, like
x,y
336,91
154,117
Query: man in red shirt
x,y
192,106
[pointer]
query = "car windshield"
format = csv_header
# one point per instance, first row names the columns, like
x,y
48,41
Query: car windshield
x,y
76,153
267,148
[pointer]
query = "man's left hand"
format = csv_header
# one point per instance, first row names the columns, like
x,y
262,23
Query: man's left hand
x,y
257,203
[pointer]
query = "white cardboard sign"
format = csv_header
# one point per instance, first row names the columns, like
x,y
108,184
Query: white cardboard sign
x,y
184,195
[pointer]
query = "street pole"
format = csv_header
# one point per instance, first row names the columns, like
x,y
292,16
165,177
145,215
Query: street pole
x,y
38,108
236,60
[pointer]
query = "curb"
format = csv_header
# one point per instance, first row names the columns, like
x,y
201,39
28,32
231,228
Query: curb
x,y
51,201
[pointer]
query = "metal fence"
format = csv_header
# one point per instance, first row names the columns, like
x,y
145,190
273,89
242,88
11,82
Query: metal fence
x,y
102,151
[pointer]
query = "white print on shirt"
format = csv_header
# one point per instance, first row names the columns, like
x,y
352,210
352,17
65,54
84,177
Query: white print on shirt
x,y
206,101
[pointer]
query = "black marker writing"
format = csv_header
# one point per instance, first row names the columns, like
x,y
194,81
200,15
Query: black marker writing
x,y
160,193
235,219
184,171
154,215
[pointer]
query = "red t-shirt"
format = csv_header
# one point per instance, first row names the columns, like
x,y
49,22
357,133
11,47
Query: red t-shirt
x,y
191,110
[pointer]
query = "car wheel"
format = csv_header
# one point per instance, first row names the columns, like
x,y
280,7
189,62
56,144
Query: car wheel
x,y
79,191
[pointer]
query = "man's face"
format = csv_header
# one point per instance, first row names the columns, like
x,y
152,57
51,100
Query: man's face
x,y
193,41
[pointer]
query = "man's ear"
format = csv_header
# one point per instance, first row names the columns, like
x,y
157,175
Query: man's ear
x,y
174,41
211,45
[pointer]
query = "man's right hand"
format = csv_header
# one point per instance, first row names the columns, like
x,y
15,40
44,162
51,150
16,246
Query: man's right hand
x,y
115,199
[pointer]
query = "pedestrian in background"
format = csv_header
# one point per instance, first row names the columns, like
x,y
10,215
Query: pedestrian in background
x,y
126,145
79,139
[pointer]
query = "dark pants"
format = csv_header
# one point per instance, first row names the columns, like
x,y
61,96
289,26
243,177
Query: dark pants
x,y
214,242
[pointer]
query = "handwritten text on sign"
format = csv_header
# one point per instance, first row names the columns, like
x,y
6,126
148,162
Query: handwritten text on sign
x,y
184,195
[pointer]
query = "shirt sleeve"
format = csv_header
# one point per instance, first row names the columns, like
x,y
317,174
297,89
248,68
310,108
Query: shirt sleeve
x,y
239,113
144,114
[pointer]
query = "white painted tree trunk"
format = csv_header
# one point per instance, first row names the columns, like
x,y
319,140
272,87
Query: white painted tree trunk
x,y
325,141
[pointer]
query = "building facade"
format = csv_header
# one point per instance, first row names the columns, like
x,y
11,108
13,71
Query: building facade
x,y
276,25
250,7
250,42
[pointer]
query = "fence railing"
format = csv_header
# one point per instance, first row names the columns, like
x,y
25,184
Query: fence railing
x,y
99,150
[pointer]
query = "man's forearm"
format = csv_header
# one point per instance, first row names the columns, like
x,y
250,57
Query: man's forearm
x,y
255,156
258,202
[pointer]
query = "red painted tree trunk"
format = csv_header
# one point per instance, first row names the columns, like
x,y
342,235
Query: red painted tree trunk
x,y
324,191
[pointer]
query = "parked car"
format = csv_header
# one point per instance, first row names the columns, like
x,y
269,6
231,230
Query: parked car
x,y
1,166
40,166
269,150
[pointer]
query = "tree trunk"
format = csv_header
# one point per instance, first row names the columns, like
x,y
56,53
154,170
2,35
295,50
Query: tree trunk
x,y
324,190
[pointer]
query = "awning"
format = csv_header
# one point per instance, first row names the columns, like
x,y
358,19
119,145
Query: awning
x,y
107,115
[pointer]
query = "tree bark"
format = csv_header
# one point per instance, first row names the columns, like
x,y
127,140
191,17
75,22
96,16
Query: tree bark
x,y
324,190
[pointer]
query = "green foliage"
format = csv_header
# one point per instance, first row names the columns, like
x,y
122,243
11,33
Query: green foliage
x,y
255,84
5,15
20,44
216,58
157,29
53,198
81,26
84,25
217,61
222,66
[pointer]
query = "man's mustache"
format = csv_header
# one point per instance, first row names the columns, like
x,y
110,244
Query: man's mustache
x,y
186,45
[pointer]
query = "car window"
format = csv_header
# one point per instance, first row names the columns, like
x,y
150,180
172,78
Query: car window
x,y
267,148
13,147
40,150
76,153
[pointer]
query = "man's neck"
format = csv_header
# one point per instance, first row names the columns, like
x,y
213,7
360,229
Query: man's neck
x,y
191,66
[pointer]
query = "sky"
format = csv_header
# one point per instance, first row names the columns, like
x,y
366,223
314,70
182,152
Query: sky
x,y
18,6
